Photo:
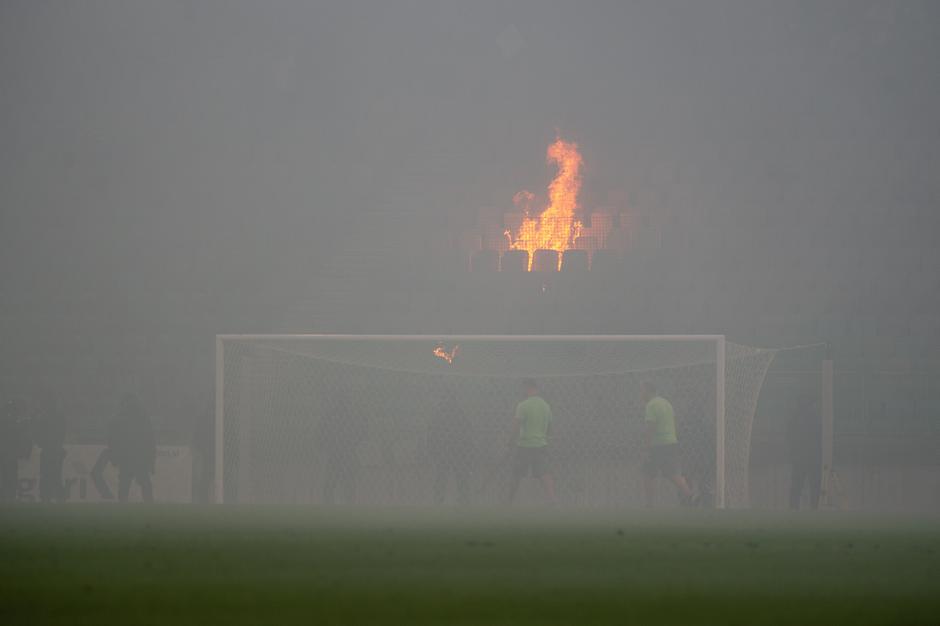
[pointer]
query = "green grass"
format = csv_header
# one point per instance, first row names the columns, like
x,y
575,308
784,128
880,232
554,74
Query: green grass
x,y
199,565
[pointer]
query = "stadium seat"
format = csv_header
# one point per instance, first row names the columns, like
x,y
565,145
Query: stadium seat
x,y
574,261
484,261
514,261
545,261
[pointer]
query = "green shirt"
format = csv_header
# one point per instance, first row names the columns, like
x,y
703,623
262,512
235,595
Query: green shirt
x,y
535,415
659,411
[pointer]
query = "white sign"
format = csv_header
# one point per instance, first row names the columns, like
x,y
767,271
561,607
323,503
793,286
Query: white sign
x,y
172,481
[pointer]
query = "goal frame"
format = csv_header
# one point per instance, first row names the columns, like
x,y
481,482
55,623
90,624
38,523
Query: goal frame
x,y
717,340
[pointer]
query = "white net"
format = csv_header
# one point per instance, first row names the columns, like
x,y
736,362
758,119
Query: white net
x,y
407,421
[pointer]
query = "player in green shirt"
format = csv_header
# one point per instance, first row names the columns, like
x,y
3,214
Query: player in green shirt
x,y
530,430
662,447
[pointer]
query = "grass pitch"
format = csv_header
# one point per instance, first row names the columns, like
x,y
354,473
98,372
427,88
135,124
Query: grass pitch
x,y
219,565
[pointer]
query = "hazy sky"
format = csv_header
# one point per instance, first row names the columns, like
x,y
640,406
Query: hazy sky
x,y
145,128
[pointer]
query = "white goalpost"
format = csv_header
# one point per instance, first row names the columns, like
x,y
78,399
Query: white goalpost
x,y
298,416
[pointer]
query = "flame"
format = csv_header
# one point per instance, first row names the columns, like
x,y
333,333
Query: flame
x,y
558,225
441,352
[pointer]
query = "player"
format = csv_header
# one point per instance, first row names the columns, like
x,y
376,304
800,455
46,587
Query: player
x,y
133,448
449,443
662,447
532,421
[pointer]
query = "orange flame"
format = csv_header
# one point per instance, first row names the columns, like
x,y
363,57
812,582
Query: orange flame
x,y
558,225
441,352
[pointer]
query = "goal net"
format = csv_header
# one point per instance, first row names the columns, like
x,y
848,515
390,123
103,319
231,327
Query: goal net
x,y
413,420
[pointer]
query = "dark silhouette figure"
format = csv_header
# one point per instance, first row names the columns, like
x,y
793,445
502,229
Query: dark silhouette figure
x,y
11,444
341,431
49,436
133,448
450,441
804,434
97,474
696,433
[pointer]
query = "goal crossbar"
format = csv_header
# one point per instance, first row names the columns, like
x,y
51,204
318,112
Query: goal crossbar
x,y
445,337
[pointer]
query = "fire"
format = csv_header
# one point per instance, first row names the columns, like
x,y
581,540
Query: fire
x,y
441,352
558,225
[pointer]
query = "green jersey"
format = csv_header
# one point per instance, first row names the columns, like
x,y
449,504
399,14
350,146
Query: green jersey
x,y
659,411
535,415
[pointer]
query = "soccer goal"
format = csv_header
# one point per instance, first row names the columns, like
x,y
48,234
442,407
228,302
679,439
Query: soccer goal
x,y
385,419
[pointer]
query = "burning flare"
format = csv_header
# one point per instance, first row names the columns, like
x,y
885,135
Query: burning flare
x,y
558,225
441,352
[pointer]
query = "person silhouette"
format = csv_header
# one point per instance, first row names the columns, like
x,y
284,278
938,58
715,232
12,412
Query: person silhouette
x,y
133,448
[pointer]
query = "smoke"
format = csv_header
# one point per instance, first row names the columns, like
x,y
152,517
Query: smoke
x,y
526,202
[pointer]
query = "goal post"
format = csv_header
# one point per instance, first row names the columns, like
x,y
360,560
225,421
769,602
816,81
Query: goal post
x,y
219,421
720,421
276,395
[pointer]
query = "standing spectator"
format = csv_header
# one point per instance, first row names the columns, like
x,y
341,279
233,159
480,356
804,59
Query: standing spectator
x,y
49,436
133,448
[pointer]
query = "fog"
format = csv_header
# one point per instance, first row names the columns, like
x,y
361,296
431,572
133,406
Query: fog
x,y
175,170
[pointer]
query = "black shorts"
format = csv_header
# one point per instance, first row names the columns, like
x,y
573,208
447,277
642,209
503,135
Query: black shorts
x,y
662,459
530,460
